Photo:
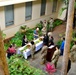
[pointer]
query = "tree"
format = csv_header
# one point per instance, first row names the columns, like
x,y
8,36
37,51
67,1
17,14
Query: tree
x,y
3,62
68,36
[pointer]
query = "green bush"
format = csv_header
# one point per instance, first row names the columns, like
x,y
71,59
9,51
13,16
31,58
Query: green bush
x,y
39,25
6,45
17,39
59,43
19,66
57,22
72,43
3,35
74,34
23,27
48,28
29,34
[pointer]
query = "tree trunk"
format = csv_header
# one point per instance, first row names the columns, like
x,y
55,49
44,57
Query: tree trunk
x,y
68,37
3,62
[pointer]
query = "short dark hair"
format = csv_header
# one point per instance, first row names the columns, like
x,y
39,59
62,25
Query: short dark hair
x,y
74,42
51,18
24,37
10,46
63,38
32,42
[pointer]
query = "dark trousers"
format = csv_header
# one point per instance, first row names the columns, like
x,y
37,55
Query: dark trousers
x,y
69,65
61,52
9,55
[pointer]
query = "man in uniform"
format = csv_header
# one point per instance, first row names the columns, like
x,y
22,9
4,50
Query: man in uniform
x,y
43,54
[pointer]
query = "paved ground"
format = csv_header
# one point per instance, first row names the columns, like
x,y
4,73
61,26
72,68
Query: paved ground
x,y
36,63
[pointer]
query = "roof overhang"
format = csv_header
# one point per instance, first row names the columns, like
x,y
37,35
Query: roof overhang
x,y
10,2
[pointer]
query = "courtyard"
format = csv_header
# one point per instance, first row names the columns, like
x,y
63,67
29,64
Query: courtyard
x,y
36,63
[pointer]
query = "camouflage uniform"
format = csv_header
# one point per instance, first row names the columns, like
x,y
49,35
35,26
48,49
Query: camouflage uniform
x,y
32,51
43,30
55,57
44,53
73,53
51,24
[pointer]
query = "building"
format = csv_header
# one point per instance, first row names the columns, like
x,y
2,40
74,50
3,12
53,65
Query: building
x,y
14,13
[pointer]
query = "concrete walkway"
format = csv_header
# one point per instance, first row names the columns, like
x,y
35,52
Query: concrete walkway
x,y
36,63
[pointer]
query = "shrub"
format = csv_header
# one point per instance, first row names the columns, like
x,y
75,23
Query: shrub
x,y
57,22
6,45
39,25
74,34
3,35
59,43
29,34
17,39
19,66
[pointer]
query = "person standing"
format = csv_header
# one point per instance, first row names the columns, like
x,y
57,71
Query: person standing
x,y
62,46
55,56
32,49
51,24
46,39
43,30
44,53
51,41
45,23
36,35
73,52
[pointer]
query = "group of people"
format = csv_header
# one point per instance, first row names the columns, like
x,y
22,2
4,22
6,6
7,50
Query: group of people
x,y
58,51
32,47
12,48
53,64
48,40
45,23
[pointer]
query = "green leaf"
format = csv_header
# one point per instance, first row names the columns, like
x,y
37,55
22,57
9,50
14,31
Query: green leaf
x,y
61,10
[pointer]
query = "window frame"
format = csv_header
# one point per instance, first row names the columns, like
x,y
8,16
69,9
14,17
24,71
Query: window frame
x,y
9,10
43,7
28,16
54,6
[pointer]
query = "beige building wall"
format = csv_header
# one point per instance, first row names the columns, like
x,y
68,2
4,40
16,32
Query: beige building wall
x,y
19,14
2,18
19,17
63,15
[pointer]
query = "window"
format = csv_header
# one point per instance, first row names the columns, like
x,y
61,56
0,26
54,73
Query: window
x,y
9,15
54,5
43,6
28,11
